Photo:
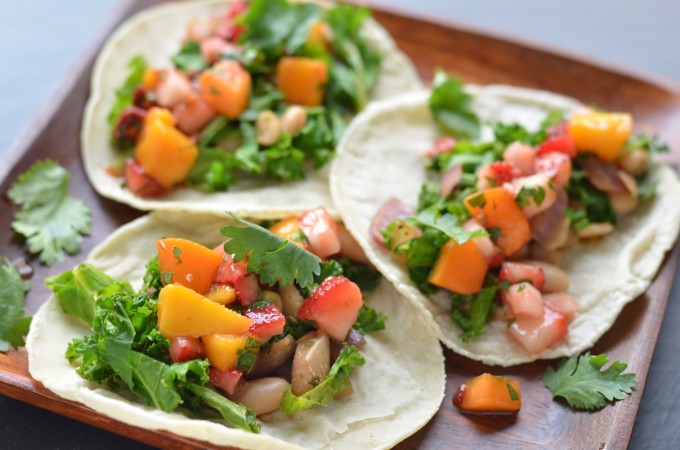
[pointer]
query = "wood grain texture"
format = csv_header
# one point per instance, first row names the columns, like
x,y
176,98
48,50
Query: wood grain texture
x,y
476,58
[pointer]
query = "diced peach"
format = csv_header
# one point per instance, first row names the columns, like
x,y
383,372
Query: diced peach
x,y
562,303
319,35
164,152
488,394
521,156
536,335
496,208
302,80
525,301
289,229
459,268
226,88
222,350
150,79
183,312
600,132
188,263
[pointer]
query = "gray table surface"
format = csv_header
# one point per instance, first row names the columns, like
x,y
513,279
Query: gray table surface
x,y
41,39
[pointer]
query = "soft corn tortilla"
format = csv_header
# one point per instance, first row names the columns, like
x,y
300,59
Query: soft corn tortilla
x,y
156,34
382,155
396,392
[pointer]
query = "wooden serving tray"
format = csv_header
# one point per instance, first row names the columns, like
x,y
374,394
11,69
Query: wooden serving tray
x,y
477,58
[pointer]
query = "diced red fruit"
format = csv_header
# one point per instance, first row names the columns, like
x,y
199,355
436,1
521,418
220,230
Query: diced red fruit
x,y
333,306
521,156
267,322
173,88
557,166
229,271
185,349
129,125
193,115
139,183
141,98
227,380
247,289
495,174
514,272
442,145
321,231
561,143
562,303
536,335
525,300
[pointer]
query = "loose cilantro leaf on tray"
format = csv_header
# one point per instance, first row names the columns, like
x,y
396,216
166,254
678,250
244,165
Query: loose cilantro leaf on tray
x,y
50,219
274,258
451,107
333,384
581,381
13,324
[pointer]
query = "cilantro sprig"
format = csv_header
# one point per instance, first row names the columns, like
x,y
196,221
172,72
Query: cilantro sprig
x,y
13,325
50,219
451,107
269,255
581,381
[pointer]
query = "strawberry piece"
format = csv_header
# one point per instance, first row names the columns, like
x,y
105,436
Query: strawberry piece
x,y
559,141
442,145
333,306
227,380
514,272
185,349
536,335
321,231
524,300
495,174
267,322
247,289
229,271
139,183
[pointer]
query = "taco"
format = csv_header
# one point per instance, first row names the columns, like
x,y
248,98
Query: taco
x,y
179,93
390,399
382,164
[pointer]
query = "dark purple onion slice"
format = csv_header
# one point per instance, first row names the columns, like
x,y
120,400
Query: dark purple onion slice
x,y
392,209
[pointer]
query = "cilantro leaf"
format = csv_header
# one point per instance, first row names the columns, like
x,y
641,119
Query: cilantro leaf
x,y
369,320
472,312
365,276
649,143
274,258
190,58
246,356
334,383
13,324
235,414
50,219
582,383
124,94
448,224
451,107
530,194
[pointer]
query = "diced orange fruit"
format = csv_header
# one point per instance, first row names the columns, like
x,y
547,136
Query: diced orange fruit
x,y
302,80
150,79
287,229
191,264
601,133
319,35
183,312
460,268
226,88
222,294
222,349
496,208
487,393
164,152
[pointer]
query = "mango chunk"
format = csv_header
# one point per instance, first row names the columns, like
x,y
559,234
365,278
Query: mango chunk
x,y
222,350
487,393
187,263
302,80
183,312
602,133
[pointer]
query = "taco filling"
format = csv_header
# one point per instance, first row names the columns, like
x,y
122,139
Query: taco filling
x,y
512,203
260,91
256,326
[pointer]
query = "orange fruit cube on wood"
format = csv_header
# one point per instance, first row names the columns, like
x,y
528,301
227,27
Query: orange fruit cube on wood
x,y
222,350
226,88
165,153
302,80
496,208
460,268
190,264
602,133
488,393
183,312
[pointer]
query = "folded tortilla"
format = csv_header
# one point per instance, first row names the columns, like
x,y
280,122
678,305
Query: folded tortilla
x,y
396,392
382,155
156,34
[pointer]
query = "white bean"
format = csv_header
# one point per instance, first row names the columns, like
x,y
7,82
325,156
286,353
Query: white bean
x,y
311,362
635,162
294,119
268,128
291,299
595,230
263,395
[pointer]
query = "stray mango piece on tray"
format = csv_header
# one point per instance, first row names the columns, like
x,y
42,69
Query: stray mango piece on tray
x,y
488,394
